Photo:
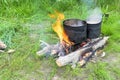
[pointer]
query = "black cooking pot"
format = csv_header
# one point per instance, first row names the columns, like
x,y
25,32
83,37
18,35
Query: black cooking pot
x,y
75,29
93,30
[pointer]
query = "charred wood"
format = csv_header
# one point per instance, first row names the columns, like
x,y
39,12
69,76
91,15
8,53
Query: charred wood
x,y
76,56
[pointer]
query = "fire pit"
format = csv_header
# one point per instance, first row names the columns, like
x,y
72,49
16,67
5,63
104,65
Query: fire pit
x,y
73,46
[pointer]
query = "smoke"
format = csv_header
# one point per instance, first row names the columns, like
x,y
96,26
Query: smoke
x,y
88,3
95,16
94,12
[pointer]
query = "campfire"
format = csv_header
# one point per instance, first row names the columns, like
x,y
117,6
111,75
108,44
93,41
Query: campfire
x,y
77,43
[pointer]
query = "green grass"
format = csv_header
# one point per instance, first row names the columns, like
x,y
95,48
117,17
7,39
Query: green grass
x,y
23,23
99,72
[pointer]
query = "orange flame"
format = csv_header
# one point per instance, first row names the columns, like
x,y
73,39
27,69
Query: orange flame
x,y
58,28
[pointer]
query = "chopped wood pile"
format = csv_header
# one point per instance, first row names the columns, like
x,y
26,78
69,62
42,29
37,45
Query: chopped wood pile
x,y
80,56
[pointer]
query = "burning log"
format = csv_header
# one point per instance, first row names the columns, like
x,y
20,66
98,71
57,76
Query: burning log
x,y
70,58
76,56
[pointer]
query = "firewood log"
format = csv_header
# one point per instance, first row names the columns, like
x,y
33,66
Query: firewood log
x,y
74,56
2,45
51,50
70,58
48,49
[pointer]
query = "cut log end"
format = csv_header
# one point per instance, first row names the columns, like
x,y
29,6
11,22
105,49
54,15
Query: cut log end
x,y
82,62
58,63
2,45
